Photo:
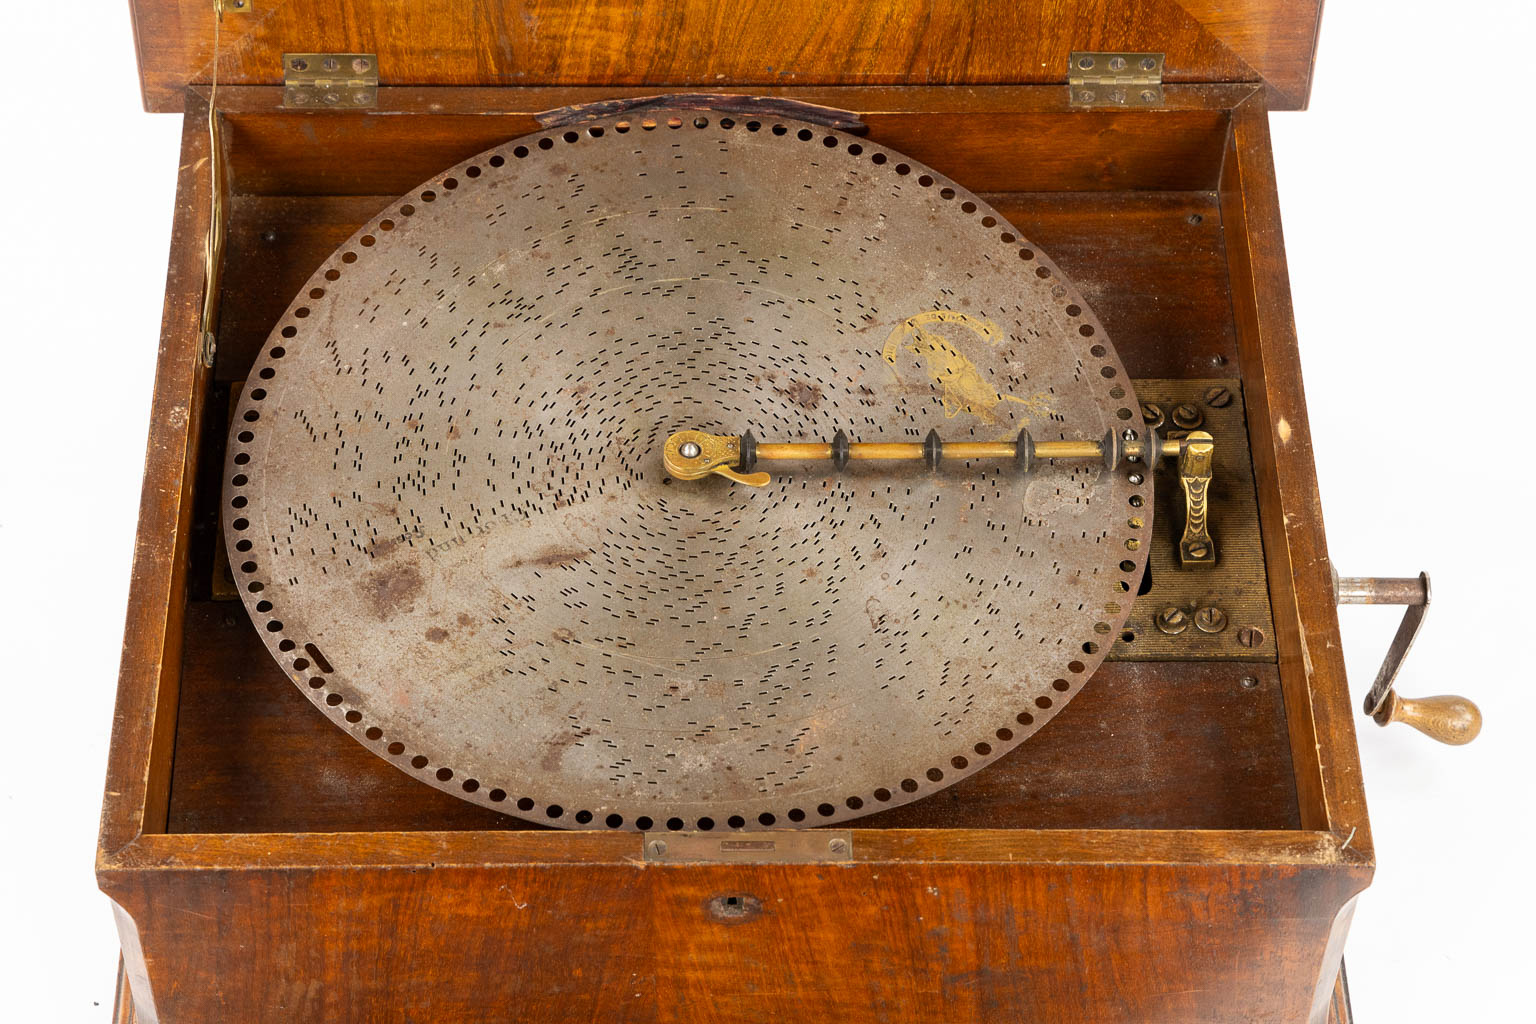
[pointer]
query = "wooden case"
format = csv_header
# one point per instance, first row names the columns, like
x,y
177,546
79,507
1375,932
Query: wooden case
x,y
1184,843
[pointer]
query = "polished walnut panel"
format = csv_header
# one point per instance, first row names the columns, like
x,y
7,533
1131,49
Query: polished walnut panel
x,y
991,138
707,43
868,941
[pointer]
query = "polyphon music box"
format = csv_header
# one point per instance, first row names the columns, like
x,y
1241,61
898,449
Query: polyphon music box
x,y
680,511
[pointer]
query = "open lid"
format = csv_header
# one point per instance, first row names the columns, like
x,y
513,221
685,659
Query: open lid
x,y
673,44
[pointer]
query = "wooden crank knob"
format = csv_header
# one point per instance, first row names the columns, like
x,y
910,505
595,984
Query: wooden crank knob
x,y
1447,718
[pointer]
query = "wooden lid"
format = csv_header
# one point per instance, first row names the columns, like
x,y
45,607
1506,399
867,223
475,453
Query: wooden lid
x,y
671,44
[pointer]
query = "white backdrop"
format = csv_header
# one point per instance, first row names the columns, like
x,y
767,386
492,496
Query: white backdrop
x,y
1408,225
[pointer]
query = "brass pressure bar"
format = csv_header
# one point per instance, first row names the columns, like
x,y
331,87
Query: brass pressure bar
x,y
913,451
693,455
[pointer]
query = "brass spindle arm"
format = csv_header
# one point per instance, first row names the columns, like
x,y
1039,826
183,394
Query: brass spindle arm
x,y
693,455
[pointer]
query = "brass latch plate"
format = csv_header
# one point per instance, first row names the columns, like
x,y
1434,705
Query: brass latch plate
x,y
1098,79
1207,612
335,80
785,846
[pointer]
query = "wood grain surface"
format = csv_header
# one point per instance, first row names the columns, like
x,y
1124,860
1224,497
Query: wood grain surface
x,y
709,43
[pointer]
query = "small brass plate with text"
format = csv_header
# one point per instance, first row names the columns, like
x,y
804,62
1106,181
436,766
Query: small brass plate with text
x,y
807,846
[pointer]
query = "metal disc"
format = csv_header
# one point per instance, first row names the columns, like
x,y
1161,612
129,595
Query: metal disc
x,y
448,515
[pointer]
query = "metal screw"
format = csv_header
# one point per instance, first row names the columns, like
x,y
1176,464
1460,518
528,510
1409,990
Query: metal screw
x,y
1135,478
1249,683
1117,63
689,450
658,848
1187,416
299,64
1199,550
1250,636
1218,397
838,846
1210,620
1152,413
1172,621
1129,435
359,64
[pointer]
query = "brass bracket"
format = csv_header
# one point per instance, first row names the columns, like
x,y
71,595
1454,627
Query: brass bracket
x,y
1196,547
334,80
785,846
1098,79
1449,719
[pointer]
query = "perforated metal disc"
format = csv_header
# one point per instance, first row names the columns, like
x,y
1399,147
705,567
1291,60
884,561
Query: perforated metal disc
x,y
447,511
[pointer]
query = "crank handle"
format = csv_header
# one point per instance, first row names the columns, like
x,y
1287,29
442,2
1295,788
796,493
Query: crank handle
x,y
1448,719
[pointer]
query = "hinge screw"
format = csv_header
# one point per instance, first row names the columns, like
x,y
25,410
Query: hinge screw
x,y
1187,416
1250,636
1211,620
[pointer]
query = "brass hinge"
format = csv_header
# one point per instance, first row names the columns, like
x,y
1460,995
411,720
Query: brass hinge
x,y
1115,79
330,80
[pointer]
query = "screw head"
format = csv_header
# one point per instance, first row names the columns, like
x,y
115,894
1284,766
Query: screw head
x,y
1218,397
1172,621
1187,416
1210,619
1249,683
1136,478
1152,413
837,846
657,847
1250,636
